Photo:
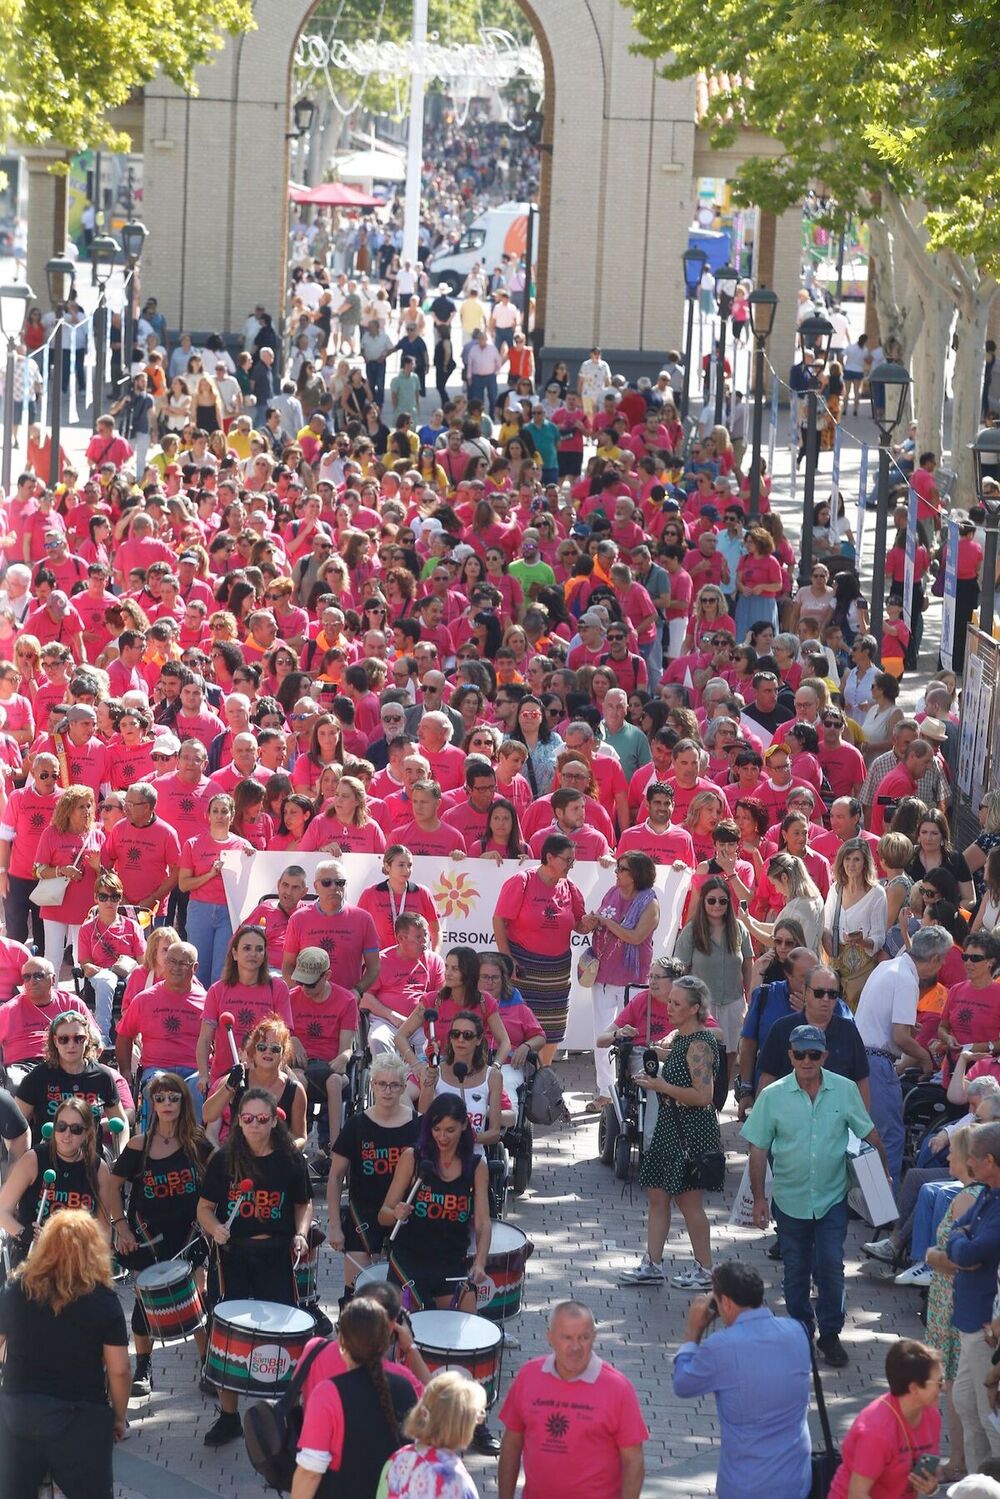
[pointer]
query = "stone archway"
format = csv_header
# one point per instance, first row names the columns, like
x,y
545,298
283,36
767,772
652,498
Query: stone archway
x,y
616,198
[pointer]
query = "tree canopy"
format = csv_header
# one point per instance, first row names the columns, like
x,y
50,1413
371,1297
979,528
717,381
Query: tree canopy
x,y
64,66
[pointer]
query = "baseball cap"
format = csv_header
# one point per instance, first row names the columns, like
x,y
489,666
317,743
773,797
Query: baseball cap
x,y
710,512
80,711
58,601
166,744
807,1036
591,617
312,963
974,1486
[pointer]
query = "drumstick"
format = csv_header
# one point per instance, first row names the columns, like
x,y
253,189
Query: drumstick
x,y
116,1128
242,1187
48,1130
411,1197
461,1071
432,1050
48,1177
227,1020
353,1261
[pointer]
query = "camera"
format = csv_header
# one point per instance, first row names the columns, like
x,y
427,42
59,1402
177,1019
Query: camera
x,y
650,1062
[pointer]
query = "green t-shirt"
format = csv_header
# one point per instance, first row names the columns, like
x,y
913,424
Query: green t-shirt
x,y
530,574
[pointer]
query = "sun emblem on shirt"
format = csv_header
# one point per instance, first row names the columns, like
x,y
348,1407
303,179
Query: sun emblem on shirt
x,y
128,772
186,804
38,820
455,894
964,1017
133,855
172,1023
557,1426
314,1030
246,1018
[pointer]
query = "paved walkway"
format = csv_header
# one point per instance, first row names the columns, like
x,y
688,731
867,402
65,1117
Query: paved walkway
x,y
585,1228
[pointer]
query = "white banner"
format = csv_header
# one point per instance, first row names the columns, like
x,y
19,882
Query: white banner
x,y
465,893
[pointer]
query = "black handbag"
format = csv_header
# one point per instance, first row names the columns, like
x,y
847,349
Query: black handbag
x,y
705,1171
825,1459
271,1430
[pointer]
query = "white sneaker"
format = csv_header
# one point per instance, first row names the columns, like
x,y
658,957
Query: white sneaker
x,y
645,1273
881,1249
917,1275
695,1278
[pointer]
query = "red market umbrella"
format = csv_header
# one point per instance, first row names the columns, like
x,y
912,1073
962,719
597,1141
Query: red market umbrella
x,y
333,195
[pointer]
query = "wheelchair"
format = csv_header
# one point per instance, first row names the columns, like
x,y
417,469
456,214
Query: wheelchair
x,y
355,1096
925,1110
519,1139
623,1120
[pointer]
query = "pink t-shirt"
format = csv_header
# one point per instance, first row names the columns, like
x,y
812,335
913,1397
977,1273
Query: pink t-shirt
x,y
319,1026
169,1024
128,764
274,921
325,829
590,844
104,945
447,766
844,768
576,1427
403,983
539,815
197,858
323,1426
520,1023
87,763
331,1362
248,1004
63,849
634,1013
442,841
883,1446
141,856
377,900
13,956
662,848
346,936
182,806
24,1026
540,917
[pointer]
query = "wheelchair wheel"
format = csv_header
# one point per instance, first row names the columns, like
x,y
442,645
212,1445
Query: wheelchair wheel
x,y
521,1173
607,1133
623,1157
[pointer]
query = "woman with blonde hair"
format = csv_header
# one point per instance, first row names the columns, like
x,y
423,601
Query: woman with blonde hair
x,y
62,1330
345,825
802,901
69,849
440,1427
709,615
989,838
855,917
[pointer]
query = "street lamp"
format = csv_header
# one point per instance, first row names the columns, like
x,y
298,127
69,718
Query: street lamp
x,y
303,111
815,333
59,272
134,236
986,456
694,262
889,386
14,300
763,306
103,254
726,281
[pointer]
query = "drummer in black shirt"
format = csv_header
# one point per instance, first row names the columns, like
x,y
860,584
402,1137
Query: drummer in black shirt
x,y
82,1180
69,1070
256,1254
366,1153
164,1168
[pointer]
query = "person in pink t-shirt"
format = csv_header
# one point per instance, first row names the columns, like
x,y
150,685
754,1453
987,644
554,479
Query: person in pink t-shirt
x,y
245,990
890,1436
345,932
168,1017
427,834
396,894
571,1413
345,824
325,1024
569,817
200,876
657,837
536,914
410,974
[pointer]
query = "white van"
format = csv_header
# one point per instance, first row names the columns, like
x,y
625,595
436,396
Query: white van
x,y
497,232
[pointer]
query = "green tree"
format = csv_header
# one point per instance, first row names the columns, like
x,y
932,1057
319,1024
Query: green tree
x,y
857,101
64,66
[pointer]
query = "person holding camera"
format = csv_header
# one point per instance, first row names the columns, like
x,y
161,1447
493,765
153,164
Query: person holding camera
x,y
892,1446
765,1447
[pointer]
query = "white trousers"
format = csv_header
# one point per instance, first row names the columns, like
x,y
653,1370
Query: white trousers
x,y
608,1000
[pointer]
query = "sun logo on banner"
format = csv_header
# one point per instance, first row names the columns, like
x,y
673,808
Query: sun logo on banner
x,y
454,894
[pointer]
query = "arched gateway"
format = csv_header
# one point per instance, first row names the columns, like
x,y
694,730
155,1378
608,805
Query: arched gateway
x,y
616,198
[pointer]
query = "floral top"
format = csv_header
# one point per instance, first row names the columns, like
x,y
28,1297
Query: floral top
x,y
417,1472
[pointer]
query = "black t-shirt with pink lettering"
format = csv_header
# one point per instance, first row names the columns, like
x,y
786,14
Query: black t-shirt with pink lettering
x,y
164,1192
374,1152
45,1088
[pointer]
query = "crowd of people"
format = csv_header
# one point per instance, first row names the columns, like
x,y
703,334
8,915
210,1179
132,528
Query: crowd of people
x,y
536,626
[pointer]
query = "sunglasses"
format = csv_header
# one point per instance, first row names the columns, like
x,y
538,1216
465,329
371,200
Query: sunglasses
x,y
827,993
70,1040
109,899
256,1119
464,1035
45,775
808,1056
974,957
325,884
617,637
166,1097
62,1128
718,900
160,756
273,1051
35,977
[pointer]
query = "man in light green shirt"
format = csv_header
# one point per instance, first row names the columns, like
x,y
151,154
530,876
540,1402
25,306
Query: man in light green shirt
x,y
628,742
803,1120
529,569
404,389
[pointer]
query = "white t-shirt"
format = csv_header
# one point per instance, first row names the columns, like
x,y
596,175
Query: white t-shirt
x,y
854,358
889,998
596,377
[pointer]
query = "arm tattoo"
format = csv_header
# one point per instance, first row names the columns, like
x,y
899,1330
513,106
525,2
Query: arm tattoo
x,y
700,1066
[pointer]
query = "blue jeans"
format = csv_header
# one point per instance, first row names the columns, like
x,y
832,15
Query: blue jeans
x,y
190,1076
933,1202
209,928
484,388
652,654
886,1109
814,1247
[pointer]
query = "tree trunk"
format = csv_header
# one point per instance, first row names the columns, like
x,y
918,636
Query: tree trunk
x,y
929,361
973,317
900,311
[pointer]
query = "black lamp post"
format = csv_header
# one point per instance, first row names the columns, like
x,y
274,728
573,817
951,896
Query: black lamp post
x,y
103,254
986,456
763,304
14,301
59,271
815,333
889,386
726,281
694,262
303,111
134,236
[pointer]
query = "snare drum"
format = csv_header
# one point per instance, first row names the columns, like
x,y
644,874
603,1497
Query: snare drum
x,y
509,1250
172,1302
460,1340
253,1346
306,1279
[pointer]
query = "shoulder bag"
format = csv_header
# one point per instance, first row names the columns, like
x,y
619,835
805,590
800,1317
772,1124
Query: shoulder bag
x,y
704,1171
271,1429
52,891
825,1459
